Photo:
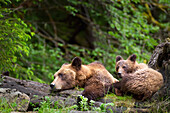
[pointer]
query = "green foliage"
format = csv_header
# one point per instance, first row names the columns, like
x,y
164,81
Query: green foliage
x,y
13,37
127,31
165,1
127,24
83,103
103,106
85,106
71,9
44,61
47,107
119,28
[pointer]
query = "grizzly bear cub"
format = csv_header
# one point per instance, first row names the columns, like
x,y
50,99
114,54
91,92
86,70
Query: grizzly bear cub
x,y
94,78
137,79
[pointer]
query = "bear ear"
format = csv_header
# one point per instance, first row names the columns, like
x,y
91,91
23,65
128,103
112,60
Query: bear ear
x,y
118,58
76,63
132,58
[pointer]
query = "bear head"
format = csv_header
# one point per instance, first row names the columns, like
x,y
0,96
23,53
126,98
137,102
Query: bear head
x,y
69,75
125,66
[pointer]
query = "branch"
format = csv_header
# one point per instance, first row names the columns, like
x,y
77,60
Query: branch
x,y
151,17
160,6
48,38
53,24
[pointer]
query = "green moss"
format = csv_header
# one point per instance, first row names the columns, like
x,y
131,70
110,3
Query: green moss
x,y
125,101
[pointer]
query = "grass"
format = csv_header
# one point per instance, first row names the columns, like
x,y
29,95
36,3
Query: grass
x,y
119,101
161,106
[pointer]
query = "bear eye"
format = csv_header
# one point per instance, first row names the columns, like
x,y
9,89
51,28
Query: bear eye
x,y
124,66
60,75
117,67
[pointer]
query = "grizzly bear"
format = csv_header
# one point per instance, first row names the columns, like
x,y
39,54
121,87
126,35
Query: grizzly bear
x,y
94,78
137,79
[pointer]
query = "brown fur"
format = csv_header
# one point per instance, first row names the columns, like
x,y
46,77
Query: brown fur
x,y
137,79
93,77
128,66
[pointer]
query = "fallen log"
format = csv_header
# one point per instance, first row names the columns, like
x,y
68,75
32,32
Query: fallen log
x,y
28,87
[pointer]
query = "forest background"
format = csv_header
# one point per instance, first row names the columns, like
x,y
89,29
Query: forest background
x,y
38,36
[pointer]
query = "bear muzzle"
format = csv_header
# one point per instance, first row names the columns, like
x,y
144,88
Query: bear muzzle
x,y
52,85
55,88
119,74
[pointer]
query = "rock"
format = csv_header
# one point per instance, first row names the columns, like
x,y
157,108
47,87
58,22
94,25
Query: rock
x,y
13,96
62,101
72,93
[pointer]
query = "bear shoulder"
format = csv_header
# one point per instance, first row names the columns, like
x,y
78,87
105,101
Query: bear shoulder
x,y
141,66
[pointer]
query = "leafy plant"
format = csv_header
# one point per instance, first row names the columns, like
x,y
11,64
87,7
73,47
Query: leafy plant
x,y
14,34
83,103
85,106
47,107
103,106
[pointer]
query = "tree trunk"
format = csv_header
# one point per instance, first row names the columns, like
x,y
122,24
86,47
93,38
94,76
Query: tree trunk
x,y
160,61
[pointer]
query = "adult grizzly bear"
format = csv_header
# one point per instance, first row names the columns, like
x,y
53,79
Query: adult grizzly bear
x,y
137,79
94,78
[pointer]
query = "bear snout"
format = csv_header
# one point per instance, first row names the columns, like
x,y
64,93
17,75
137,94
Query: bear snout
x,y
52,85
119,74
